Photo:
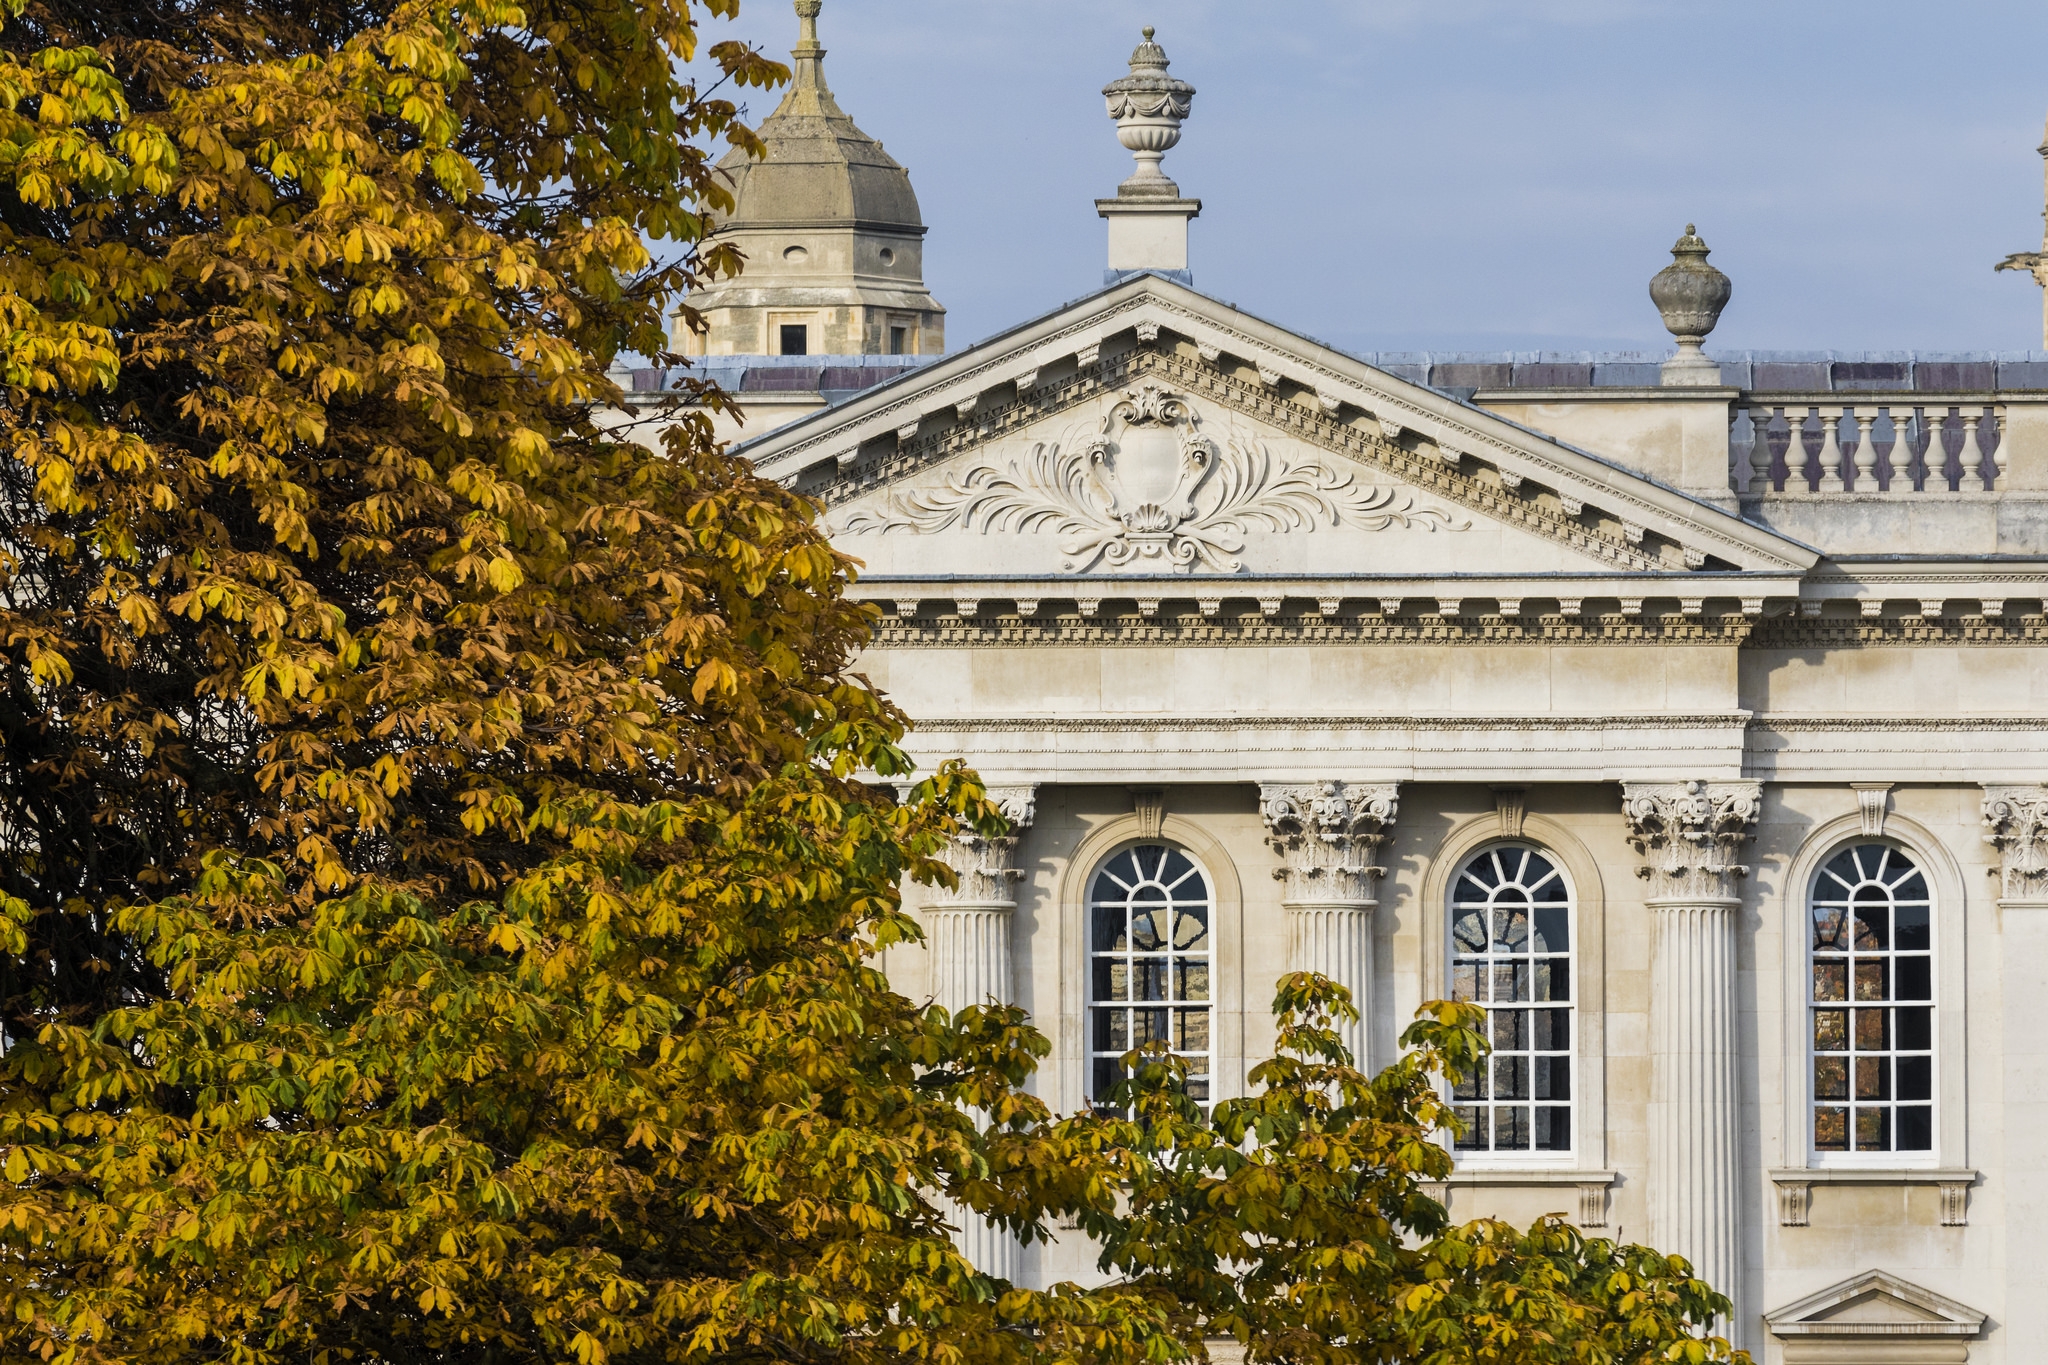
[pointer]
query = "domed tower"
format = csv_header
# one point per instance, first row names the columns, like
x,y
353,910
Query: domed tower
x,y
832,235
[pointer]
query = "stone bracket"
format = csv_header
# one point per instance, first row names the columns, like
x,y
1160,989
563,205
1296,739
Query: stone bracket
x,y
1795,1188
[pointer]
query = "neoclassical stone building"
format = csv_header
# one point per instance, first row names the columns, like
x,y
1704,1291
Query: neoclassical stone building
x,y
1690,716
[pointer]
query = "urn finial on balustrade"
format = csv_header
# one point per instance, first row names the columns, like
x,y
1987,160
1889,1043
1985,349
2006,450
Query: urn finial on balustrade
x,y
1690,295
1148,219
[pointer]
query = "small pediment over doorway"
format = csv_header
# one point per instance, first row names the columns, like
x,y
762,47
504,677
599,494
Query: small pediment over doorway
x,y
1875,1316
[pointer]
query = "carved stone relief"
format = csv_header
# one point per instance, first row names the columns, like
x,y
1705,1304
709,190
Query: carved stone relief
x,y
1327,834
1150,492
986,868
1688,834
2018,820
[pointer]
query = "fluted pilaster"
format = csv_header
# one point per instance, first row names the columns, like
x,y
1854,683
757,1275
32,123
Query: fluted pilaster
x,y
1328,835
967,931
1689,834
2016,823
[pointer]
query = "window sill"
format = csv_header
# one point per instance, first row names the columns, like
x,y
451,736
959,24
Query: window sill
x,y
1795,1185
1591,1185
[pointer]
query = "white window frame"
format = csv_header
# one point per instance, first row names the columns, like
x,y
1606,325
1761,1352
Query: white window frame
x,y
1092,1006
1949,916
1576,1004
1817,891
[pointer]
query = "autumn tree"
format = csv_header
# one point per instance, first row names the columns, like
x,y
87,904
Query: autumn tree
x,y
440,866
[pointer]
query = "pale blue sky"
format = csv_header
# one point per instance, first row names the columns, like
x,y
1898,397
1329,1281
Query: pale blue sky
x,y
1396,174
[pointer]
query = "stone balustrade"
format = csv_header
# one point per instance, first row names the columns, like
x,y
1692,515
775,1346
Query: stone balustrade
x,y
1804,444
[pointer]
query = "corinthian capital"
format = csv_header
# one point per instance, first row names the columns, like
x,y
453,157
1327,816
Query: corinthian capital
x,y
1689,834
987,868
2017,818
1327,834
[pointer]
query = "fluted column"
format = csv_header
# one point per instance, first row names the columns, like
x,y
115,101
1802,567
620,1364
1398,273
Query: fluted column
x,y
2017,820
1689,835
1327,835
967,931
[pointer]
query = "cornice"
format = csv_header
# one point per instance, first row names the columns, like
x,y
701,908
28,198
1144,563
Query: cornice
x,y
1226,724
953,632
1809,632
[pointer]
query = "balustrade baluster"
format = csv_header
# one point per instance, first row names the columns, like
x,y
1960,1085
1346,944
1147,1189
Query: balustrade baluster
x,y
1832,479
1796,459
1998,453
1866,449
1899,459
1935,457
1760,449
1973,458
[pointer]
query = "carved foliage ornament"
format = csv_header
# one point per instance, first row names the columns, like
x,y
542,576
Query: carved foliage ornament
x,y
1688,834
2017,818
1149,491
1327,834
986,868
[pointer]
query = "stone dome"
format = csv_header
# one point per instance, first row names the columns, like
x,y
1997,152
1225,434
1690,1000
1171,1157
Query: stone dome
x,y
820,170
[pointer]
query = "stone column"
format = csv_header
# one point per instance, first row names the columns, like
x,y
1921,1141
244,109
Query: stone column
x,y
1689,835
2017,818
1327,835
968,935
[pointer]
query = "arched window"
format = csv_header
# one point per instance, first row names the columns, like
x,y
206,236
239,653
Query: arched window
x,y
1149,915
1872,1002
1511,952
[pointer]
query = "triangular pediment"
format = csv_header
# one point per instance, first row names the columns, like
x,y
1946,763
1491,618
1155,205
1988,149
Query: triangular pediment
x,y
1875,1304
1152,430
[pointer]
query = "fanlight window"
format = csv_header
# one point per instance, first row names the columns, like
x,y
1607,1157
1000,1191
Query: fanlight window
x,y
1511,951
1872,1004
1149,913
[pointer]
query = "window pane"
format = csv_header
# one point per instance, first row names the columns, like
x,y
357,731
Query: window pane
x,y
1475,1119
1148,978
1112,979
1554,1127
1916,1127
1873,1078
1148,1026
1873,1129
1511,1128
1107,1073
1191,980
1148,930
1191,930
1915,979
1511,930
1194,1031
1830,1129
1112,1031
1909,927
1916,1078
1831,981
1831,1078
1511,1078
1553,928
1465,981
1873,922
1915,1030
1109,926
1553,1078
1468,929
1553,1030
1510,1030
1870,980
1872,1033
1510,981
1827,928
1831,1030
1554,979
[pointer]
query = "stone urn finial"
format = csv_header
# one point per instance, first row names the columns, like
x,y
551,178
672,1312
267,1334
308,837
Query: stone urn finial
x,y
1148,106
1690,295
